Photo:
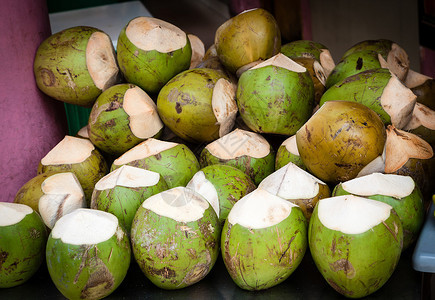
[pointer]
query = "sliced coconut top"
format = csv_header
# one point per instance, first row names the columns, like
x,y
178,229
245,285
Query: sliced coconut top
x,y
101,60
352,214
421,116
326,61
398,101
13,213
291,145
70,150
150,34
320,72
260,209
83,132
200,184
85,226
392,185
398,61
144,120
128,176
180,204
291,182
239,142
414,79
224,105
62,194
198,50
280,60
145,149
375,166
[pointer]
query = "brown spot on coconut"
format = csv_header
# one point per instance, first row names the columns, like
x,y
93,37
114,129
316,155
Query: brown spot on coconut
x,y
198,50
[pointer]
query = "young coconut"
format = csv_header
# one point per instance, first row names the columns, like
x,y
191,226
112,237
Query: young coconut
x,y
380,90
399,191
297,186
247,38
122,117
423,87
263,240
76,64
88,254
222,186
340,139
288,152
317,74
355,243
198,105
245,150
123,190
79,156
157,48
275,96
175,238
175,162
22,247
198,50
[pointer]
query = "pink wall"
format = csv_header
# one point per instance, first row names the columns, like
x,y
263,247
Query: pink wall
x,y
30,122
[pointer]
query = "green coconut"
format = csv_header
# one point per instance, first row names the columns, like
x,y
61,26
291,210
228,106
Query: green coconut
x,y
245,150
317,74
288,152
423,87
340,139
75,65
378,89
275,96
263,240
222,186
122,117
123,190
399,191
175,162
246,38
23,236
175,238
79,156
297,186
157,48
355,243
198,105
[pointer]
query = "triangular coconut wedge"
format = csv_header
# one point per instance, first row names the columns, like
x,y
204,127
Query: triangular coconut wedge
x,y
280,60
397,61
198,50
128,176
70,150
204,187
13,213
291,145
414,79
224,105
326,61
421,116
83,132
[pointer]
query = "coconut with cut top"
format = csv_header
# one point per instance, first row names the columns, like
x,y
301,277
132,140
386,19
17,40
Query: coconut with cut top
x,y
275,96
355,243
79,156
380,90
263,240
76,64
198,105
158,49
123,190
245,150
222,186
23,236
122,117
88,254
297,186
288,152
174,161
317,74
175,238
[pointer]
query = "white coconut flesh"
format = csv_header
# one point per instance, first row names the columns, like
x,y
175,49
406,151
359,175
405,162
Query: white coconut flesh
x,y
86,226
259,209
224,105
327,61
282,61
144,121
320,72
70,150
149,34
392,185
421,116
180,204
200,184
352,214
13,213
62,195
145,149
238,143
83,132
101,60
128,176
414,79
398,101
375,166
291,182
198,50
291,145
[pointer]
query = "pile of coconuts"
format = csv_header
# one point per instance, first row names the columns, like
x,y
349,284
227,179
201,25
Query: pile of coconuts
x,y
250,151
